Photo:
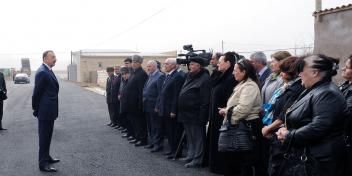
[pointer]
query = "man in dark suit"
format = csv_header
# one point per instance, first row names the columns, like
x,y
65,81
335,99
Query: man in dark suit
x,y
109,95
134,102
150,94
180,71
167,103
45,104
117,71
4,91
259,62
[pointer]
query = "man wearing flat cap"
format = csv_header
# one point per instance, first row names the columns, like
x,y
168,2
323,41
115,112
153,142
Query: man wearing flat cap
x,y
193,106
134,101
111,96
128,131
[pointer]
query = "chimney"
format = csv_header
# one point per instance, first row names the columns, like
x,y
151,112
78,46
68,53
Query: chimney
x,y
318,5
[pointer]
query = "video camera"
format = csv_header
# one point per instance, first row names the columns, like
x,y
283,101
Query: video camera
x,y
194,54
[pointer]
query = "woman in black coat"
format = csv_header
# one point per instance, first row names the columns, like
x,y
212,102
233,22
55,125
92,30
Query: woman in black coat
x,y
346,89
315,122
222,82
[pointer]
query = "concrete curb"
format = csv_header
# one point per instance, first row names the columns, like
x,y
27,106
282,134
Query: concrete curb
x,y
97,90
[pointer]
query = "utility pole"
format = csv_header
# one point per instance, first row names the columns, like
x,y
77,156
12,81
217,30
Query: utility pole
x,y
222,46
318,5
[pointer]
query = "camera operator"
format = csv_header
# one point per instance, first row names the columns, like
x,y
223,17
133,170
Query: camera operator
x,y
193,109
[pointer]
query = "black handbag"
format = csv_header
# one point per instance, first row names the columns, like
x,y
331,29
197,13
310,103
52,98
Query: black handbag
x,y
3,95
235,138
298,163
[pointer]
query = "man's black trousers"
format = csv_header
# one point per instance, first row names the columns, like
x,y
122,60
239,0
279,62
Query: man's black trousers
x,y
45,130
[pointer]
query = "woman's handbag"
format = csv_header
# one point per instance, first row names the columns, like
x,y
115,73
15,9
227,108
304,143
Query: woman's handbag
x,y
3,95
295,164
235,138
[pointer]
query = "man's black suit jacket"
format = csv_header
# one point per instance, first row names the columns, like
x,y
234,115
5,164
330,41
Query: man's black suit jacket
x,y
45,100
132,98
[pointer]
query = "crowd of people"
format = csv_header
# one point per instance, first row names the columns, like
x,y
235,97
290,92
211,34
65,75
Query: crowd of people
x,y
295,112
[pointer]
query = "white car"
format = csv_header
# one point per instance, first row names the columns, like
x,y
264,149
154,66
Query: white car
x,y
22,78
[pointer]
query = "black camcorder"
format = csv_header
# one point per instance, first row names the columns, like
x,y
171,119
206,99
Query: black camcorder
x,y
201,56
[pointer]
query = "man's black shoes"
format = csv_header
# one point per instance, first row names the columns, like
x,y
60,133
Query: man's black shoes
x,y
125,136
150,146
171,156
185,159
158,149
121,128
130,138
140,143
47,168
192,165
168,153
53,161
133,141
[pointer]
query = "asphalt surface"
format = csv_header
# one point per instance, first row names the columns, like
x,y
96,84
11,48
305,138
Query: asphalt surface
x,y
81,140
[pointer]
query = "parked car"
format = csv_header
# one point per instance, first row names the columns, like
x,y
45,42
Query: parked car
x,y
22,78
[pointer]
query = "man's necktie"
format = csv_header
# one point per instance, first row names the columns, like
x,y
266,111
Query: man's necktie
x,y
166,79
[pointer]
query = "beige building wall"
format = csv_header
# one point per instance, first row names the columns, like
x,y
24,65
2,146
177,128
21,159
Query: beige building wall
x,y
94,64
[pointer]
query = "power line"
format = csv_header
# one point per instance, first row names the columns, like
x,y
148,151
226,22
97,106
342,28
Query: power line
x,y
245,52
253,44
132,27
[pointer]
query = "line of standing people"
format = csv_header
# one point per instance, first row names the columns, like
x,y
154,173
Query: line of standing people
x,y
273,101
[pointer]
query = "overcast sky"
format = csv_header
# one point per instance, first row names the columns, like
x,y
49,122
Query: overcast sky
x,y
30,27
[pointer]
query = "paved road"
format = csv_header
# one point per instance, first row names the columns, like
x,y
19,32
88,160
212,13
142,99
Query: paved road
x,y
81,140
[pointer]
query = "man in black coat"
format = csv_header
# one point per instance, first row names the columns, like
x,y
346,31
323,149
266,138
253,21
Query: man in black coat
x,y
133,95
111,96
193,110
223,83
116,89
167,103
45,104
127,130
4,91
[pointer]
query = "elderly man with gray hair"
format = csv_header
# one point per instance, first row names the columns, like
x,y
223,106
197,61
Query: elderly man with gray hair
x,y
150,94
167,106
133,95
259,62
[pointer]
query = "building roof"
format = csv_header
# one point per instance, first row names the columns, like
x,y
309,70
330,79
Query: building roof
x,y
118,52
333,10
